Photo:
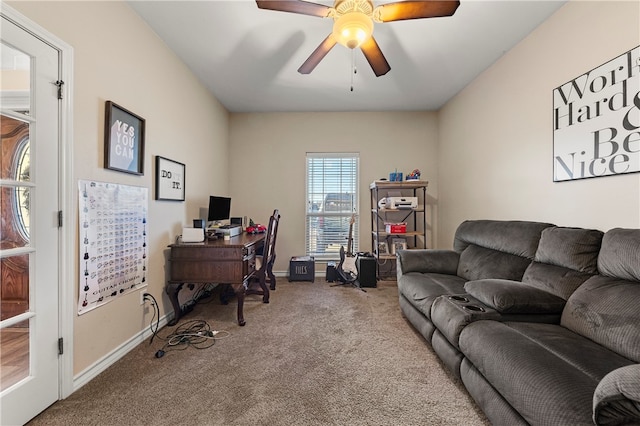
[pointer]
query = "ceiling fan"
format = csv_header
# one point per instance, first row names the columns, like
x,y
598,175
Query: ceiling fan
x,y
353,24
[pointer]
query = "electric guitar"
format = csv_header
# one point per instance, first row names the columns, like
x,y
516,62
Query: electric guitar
x,y
347,266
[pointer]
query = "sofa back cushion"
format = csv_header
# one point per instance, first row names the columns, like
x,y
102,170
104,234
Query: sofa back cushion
x,y
496,249
566,257
606,308
620,254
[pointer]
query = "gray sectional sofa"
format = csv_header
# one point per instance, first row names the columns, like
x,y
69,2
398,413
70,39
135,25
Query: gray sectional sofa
x,y
541,323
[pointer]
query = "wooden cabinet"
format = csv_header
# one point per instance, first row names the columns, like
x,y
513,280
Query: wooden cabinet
x,y
384,243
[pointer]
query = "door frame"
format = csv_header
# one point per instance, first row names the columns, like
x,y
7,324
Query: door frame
x,y
66,241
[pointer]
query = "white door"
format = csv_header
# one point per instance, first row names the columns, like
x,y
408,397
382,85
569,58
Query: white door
x,y
29,323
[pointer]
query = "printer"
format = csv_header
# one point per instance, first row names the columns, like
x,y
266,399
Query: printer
x,y
399,203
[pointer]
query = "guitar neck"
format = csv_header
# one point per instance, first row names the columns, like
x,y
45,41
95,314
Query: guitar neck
x,y
350,239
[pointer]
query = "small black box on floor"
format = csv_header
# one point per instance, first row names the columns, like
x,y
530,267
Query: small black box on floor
x,y
302,268
366,266
332,274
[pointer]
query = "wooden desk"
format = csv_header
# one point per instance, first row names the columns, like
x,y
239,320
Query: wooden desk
x,y
215,261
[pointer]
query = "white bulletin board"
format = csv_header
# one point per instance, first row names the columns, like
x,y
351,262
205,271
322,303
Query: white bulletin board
x,y
113,241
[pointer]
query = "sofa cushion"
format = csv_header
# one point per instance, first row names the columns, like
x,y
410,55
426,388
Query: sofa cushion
x,y
572,248
427,260
616,400
546,372
607,311
478,262
422,289
620,254
515,237
557,280
514,297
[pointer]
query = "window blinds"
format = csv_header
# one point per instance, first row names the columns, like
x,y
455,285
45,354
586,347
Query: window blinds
x,y
331,203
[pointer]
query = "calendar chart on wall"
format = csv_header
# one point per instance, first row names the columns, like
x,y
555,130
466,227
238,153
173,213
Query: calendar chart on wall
x,y
113,241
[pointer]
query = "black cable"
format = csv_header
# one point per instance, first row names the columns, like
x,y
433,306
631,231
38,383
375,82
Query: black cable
x,y
156,315
195,333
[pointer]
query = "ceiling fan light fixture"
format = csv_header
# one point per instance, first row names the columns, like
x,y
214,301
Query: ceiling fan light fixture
x,y
352,29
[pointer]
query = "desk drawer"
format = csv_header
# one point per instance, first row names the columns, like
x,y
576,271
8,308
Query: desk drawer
x,y
207,253
198,271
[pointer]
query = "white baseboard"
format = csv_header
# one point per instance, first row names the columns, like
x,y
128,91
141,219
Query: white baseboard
x,y
105,362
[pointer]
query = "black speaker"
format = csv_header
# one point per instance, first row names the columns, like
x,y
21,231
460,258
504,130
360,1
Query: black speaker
x,y
366,267
199,223
236,221
332,273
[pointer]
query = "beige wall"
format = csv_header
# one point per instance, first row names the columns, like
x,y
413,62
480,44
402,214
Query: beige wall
x,y
267,162
118,58
496,136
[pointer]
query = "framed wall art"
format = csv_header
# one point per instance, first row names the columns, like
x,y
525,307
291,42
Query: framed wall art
x,y
596,117
169,179
123,140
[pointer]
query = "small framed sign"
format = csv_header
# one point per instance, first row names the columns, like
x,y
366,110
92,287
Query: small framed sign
x,y
383,248
123,140
169,179
398,244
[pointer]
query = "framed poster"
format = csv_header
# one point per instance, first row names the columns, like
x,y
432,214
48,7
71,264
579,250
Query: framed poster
x,y
596,121
169,179
123,140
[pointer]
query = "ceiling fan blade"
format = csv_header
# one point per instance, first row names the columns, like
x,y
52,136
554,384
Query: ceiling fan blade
x,y
295,6
375,57
402,10
317,55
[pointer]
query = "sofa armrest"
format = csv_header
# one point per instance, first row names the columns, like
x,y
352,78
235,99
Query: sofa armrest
x,y
427,260
616,400
514,297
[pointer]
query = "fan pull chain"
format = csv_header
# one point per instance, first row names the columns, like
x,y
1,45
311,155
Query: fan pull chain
x,y
353,71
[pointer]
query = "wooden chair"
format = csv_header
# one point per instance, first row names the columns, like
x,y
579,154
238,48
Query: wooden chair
x,y
271,278
264,262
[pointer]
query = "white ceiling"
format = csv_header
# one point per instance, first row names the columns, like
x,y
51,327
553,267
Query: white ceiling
x,y
249,57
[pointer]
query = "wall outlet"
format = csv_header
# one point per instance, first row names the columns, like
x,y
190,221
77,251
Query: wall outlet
x,y
142,293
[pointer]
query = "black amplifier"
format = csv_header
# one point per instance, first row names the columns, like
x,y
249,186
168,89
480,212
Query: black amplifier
x,y
332,272
366,266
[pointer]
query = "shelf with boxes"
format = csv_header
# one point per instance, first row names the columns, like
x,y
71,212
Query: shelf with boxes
x,y
398,220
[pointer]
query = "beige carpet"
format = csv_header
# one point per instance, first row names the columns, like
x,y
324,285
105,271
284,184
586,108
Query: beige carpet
x,y
315,355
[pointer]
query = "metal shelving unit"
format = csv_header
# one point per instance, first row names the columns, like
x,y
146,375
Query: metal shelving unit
x,y
416,219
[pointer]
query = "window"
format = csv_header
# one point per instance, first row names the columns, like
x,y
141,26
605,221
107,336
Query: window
x,y
22,200
332,203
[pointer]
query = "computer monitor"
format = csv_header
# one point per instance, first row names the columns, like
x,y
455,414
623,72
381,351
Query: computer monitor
x,y
219,208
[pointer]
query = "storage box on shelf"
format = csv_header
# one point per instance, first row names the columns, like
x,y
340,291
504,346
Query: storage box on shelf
x,y
404,216
396,228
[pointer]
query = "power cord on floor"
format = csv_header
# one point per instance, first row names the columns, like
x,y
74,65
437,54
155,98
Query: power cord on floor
x,y
196,333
